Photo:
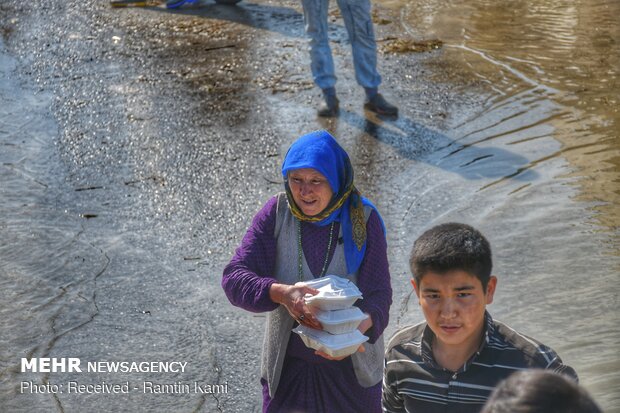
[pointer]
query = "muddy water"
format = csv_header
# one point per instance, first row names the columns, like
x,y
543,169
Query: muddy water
x,y
558,58
535,166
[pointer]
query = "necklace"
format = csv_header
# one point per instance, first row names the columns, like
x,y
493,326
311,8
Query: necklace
x,y
300,268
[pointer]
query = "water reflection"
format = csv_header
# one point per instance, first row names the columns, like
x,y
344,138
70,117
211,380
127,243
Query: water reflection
x,y
561,54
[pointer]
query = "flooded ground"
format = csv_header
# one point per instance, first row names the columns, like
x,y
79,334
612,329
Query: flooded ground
x,y
556,60
136,145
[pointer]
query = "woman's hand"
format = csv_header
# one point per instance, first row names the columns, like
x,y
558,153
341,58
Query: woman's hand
x,y
292,298
365,325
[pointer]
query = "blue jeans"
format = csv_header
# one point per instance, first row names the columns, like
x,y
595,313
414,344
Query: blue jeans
x,y
357,20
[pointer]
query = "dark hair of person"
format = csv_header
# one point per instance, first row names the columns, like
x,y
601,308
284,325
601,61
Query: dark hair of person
x,y
539,391
452,246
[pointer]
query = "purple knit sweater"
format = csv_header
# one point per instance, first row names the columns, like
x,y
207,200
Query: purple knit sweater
x,y
246,281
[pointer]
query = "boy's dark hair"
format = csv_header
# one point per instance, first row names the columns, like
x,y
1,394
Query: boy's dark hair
x,y
539,391
452,246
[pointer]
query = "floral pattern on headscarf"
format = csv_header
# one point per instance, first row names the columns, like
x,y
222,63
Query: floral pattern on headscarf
x,y
320,151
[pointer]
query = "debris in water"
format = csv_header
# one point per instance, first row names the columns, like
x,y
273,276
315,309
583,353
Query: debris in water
x,y
376,19
396,45
272,181
88,188
220,47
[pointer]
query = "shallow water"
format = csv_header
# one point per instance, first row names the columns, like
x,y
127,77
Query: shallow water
x,y
554,71
536,167
68,289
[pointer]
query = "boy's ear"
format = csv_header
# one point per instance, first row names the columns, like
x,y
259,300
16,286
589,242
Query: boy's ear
x,y
415,287
491,285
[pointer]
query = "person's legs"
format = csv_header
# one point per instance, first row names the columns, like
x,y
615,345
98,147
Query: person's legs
x,y
321,61
358,21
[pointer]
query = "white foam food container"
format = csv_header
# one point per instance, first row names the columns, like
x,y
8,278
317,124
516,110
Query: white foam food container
x,y
334,345
341,321
335,293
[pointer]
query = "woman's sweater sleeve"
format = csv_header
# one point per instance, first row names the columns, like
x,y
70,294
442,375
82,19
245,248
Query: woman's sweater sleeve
x,y
249,275
373,278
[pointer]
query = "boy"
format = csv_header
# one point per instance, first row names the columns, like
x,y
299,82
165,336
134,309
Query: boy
x,y
452,362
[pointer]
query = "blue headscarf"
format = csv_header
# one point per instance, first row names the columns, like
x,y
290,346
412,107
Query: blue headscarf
x,y
320,151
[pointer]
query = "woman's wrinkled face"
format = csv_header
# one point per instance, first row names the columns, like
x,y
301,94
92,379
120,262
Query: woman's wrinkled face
x,y
311,190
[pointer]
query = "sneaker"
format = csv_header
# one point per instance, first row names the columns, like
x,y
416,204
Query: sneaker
x,y
329,108
380,106
175,4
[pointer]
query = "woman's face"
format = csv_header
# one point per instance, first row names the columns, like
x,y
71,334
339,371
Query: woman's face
x,y
310,189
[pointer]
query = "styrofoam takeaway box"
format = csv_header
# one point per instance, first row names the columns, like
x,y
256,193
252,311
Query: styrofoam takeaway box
x,y
338,345
341,321
335,293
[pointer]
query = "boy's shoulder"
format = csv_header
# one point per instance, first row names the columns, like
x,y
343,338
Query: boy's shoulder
x,y
511,339
525,351
406,335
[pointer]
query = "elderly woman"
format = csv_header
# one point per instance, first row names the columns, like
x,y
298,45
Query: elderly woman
x,y
320,225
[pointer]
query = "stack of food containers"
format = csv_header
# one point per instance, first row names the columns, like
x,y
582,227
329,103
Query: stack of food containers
x,y
336,313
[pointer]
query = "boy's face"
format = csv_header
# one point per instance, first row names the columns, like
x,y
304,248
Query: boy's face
x,y
453,305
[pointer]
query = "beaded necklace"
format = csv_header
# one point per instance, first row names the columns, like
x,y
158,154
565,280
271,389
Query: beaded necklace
x,y
300,272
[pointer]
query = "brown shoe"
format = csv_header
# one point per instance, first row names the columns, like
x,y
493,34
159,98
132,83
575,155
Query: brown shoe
x,y
380,106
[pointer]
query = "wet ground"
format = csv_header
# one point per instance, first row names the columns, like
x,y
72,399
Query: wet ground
x,y
136,145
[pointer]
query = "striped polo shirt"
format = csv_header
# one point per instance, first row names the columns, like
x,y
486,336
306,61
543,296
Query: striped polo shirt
x,y
414,382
